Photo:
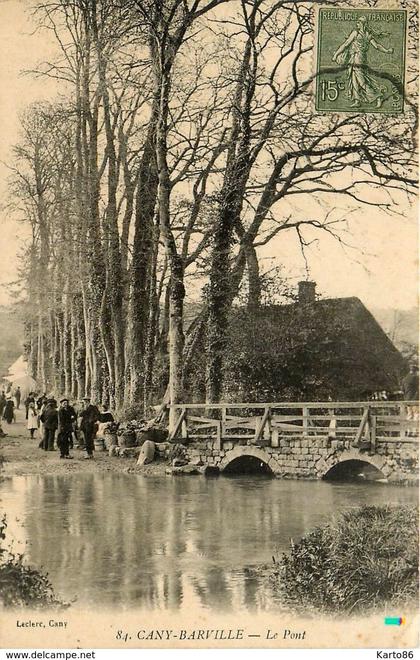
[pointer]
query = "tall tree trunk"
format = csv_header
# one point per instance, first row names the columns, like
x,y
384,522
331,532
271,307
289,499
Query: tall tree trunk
x,y
130,191
80,354
66,342
88,367
95,256
175,262
115,279
163,340
60,332
73,348
141,261
55,350
108,344
232,196
151,329
219,293
254,280
41,376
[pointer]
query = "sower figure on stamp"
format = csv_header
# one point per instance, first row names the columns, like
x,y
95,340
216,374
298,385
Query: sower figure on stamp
x,y
66,418
88,424
362,86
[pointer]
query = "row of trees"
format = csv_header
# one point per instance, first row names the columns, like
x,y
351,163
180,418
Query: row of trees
x,y
182,131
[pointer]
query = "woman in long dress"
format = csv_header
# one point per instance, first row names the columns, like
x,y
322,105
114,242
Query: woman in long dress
x,y
353,54
32,424
9,411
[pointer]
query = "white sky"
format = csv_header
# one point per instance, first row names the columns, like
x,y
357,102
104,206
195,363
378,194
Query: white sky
x,y
382,273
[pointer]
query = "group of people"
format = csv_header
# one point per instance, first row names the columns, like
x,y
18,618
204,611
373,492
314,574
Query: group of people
x,y
71,426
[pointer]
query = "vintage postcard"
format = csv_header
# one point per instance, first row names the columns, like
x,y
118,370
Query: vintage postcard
x,y
209,391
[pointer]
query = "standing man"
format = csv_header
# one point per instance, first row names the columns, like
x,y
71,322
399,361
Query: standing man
x,y
2,402
49,418
410,387
41,405
73,412
66,418
18,396
88,424
410,384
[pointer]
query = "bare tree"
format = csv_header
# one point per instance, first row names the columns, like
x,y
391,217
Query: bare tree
x,y
279,147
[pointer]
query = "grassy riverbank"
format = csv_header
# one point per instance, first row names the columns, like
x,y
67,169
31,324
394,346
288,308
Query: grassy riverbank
x,y
22,586
364,560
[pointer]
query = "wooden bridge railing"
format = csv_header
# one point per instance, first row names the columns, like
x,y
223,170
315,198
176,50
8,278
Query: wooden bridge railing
x,y
364,423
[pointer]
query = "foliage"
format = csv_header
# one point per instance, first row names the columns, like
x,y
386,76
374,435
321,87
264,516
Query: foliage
x,y
131,413
332,348
277,288
365,560
305,352
21,585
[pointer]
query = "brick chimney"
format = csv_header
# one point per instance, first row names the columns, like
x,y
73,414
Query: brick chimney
x,y
306,292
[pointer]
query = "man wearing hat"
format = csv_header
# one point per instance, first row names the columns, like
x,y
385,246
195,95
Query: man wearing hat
x,y
66,418
49,418
89,417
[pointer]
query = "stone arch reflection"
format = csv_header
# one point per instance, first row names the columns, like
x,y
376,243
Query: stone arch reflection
x,y
354,470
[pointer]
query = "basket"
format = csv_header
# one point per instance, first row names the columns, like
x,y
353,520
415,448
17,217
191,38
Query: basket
x,y
99,444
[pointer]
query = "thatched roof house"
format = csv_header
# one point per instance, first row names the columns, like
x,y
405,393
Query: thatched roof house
x,y
309,350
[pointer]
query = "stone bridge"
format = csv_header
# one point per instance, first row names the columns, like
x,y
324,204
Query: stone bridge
x,y
303,440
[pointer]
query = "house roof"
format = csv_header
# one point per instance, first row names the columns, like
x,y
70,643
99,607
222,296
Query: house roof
x,y
307,350
330,346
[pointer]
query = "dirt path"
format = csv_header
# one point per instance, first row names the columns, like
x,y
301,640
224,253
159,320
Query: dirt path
x,y
20,455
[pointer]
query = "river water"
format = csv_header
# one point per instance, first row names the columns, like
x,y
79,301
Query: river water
x,y
161,542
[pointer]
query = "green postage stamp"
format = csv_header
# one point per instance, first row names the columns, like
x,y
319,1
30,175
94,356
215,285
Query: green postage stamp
x,y
360,64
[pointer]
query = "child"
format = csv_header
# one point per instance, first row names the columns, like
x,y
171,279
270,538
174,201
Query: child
x,y
32,424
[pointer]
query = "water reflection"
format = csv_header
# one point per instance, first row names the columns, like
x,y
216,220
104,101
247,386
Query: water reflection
x,y
169,543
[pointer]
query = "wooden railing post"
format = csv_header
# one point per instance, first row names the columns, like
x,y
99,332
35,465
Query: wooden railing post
x,y
172,419
224,415
404,429
218,435
184,426
275,438
372,435
332,428
259,428
305,420
181,418
362,427
367,426
267,427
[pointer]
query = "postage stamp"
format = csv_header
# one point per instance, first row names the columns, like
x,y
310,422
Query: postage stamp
x,y
360,63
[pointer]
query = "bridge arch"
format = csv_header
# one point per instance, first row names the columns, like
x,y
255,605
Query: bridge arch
x,y
324,466
256,452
